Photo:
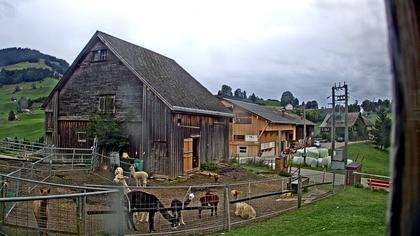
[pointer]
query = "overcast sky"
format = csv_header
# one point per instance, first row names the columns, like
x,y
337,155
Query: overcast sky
x,y
265,47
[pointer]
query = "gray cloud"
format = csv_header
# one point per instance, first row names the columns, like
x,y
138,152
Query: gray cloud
x,y
265,48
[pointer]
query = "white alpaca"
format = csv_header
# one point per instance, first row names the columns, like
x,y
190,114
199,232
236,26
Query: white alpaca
x,y
139,176
244,210
120,179
119,171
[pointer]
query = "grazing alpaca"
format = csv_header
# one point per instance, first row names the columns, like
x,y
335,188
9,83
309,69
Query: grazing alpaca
x,y
209,199
140,176
140,216
244,210
140,200
179,207
40,209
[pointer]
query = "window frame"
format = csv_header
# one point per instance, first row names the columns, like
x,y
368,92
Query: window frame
x,y
99,55
103,104
79,139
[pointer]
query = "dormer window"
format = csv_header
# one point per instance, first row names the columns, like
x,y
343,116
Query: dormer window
x,y
99,55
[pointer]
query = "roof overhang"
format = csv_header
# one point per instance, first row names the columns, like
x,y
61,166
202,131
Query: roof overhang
x,y
200,111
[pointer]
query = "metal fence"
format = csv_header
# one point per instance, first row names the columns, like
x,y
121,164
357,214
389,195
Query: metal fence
x,y
98,209
67,206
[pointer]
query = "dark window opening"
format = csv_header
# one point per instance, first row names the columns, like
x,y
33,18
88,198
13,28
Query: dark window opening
x,y
107,104
239,137
81,137
99,55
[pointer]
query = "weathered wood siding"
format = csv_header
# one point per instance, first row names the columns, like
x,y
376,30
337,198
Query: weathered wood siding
x,y
163,138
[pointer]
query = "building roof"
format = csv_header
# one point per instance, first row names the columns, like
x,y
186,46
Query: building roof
x,y
352,118
271,114
164,76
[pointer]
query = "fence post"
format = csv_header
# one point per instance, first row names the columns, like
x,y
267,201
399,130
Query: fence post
x,y
84,209
299,191
333,181
227,208
79,215
3,195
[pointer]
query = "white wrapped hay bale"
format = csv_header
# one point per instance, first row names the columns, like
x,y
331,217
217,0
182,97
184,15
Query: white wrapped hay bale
x,y
319,162
323,152
312,162
312,153
299,152
326,161
297,160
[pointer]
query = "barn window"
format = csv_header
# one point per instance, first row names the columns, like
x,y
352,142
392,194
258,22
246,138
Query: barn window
x,y
81,137
99,55
243,149
107,104
239,137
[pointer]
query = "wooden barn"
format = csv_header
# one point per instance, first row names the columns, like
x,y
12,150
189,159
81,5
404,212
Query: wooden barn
x,y
174,122
256,130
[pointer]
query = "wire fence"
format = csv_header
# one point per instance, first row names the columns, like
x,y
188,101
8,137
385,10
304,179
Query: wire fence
x,y
100,209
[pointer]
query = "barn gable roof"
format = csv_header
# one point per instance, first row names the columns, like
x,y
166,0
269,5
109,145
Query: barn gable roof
x,y
272,115
351,120
164,76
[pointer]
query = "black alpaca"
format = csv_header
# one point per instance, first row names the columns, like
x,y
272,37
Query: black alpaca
x,y
209,199
149,203
178,207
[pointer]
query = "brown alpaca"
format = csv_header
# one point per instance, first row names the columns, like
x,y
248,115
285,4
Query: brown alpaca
x,y
40,209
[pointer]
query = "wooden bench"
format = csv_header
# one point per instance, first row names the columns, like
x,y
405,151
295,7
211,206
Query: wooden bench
x,y
376,183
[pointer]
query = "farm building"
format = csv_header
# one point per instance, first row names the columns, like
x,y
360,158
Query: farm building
x,y
358,126
256,129
172,121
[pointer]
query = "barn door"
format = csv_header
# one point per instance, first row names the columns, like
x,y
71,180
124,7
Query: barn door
x,y
188,154
159,157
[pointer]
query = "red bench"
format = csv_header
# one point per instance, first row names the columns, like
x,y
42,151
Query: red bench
x,y
376,183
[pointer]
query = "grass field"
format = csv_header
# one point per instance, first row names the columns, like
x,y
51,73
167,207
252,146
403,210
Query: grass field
x,y
24,65
353,211
29,125
375,161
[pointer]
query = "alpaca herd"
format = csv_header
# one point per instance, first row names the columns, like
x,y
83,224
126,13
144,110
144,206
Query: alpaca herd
x,y
142,205
139,200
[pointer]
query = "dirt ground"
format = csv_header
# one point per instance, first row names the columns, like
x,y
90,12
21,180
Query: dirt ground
x,y
63,216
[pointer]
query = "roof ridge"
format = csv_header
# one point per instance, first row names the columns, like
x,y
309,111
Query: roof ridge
x,y
135,45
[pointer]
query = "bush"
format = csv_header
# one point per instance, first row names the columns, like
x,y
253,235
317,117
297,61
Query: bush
x,y
12,116
209,166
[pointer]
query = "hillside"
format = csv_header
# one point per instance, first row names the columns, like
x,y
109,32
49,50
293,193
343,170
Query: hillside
x,y
28,125
28,65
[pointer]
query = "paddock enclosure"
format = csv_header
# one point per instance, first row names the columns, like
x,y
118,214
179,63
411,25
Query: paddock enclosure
x,y
84,200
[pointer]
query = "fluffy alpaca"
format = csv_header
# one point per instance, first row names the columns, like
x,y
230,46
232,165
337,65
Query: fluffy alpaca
x,y
140,200
119,171
209,199
244,210
179,207
139,176
40,209
140,216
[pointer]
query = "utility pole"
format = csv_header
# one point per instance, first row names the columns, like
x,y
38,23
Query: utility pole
x,y
304,132
340,98
333,123
346,125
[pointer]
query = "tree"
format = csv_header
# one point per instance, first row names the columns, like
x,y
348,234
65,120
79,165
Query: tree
x,y
253,98
12,116
382,129
238,93
355,107
288,98
17,89
22,104
244,95
226,91
109,132
33,86
311,105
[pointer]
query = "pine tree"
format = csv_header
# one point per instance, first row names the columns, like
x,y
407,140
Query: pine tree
x,y
12,116
382,130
